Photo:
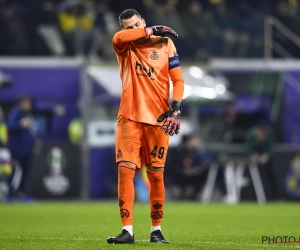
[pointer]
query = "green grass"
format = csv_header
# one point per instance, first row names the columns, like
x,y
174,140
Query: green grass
x,y
85,226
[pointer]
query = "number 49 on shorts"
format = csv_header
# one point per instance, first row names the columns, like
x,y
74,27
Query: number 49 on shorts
x,y
159,153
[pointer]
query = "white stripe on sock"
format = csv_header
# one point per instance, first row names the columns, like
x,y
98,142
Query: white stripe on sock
x,y
154,228
129,229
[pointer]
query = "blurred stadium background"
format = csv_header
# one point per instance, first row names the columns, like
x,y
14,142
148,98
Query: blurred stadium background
x,y
240,64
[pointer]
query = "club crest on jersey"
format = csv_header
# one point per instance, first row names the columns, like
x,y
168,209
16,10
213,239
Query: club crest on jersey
x,y
154,55
147,72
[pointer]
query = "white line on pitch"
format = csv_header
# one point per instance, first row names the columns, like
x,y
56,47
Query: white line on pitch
x,y
175,241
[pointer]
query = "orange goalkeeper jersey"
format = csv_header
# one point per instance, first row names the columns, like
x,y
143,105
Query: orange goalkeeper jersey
x,y
144,71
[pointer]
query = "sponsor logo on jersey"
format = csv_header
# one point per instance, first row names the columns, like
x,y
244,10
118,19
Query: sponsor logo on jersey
x,y
146,72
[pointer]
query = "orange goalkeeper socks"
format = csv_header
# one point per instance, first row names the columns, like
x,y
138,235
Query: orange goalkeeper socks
x,y
126,193
157,196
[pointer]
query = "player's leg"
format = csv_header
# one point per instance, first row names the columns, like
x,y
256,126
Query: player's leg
x,y
25,164
128,143
157,202
11,192
126,173
155,148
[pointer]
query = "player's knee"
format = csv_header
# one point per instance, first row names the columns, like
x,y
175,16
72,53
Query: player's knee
x,y
155,177
127,164
154,169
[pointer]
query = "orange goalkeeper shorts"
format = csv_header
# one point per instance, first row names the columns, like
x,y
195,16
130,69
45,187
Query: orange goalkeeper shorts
x,y
140,143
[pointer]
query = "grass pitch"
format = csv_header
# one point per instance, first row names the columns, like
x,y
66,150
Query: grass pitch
x,y
85,226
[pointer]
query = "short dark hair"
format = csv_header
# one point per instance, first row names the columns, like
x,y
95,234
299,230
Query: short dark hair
x,y
262,126
23,98
126,14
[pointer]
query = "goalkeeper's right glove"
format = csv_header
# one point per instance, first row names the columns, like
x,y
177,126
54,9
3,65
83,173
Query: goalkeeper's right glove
x,y
172,119
160,30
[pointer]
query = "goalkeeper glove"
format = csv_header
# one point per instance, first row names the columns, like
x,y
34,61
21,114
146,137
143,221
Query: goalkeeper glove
x,y
172,122
160,30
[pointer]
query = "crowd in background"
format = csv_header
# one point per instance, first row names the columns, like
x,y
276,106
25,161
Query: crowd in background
x,y
206,28
188,164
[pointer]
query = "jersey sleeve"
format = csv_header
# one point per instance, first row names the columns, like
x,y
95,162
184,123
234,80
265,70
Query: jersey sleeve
x,y
122,39
120,47
171,49
175,72
13,121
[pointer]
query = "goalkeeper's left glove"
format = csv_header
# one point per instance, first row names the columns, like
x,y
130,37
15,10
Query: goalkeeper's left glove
x,y
172,122
160,30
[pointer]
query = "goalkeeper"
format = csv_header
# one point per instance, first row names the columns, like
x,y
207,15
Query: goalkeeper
x,y
145,120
